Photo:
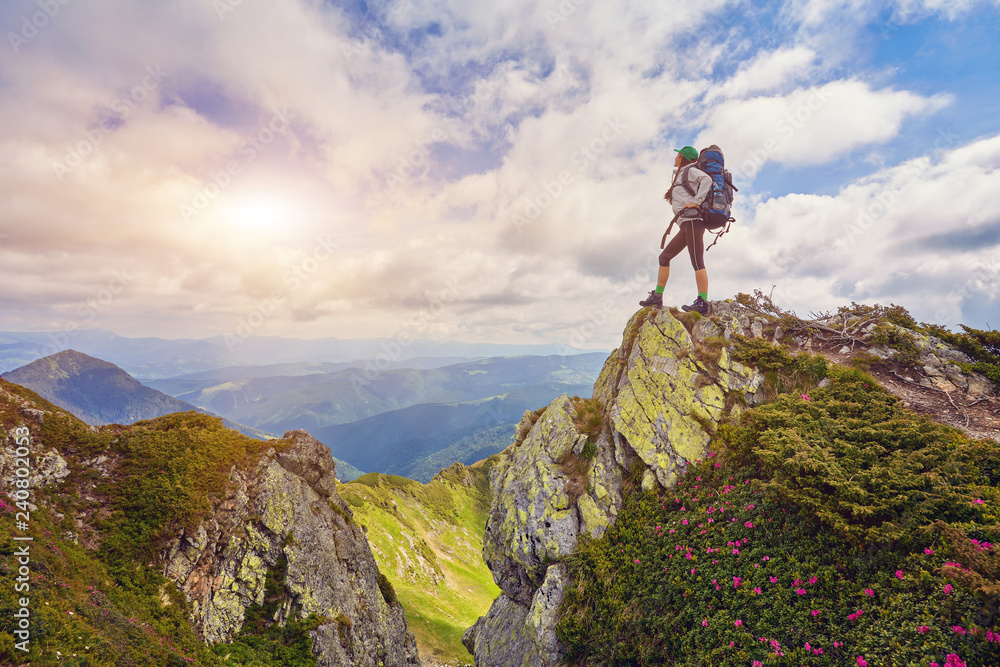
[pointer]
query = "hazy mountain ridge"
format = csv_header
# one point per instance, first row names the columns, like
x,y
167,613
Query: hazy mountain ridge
x,y
313,401
402,442
155,358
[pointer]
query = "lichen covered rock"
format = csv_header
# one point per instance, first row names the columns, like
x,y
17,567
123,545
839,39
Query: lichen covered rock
x,y
663,391
288,506
671,393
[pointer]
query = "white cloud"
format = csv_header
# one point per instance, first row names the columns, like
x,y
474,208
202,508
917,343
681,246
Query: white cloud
x,y
769,71
811,125
923,234
523,96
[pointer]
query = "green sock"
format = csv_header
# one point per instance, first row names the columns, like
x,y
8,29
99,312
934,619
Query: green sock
x,y
703,295
659,289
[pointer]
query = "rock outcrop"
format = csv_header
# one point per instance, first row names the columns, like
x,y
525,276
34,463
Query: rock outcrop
x,y
664,390
281,515
288,507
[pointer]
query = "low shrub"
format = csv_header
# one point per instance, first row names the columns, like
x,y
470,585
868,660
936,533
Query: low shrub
x,y
822,529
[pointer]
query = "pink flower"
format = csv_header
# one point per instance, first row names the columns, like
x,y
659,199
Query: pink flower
x,y
766,558
948,589
704,623
812,580
805,397
692,570
929,551
958,630
756,590
922,629
738,623
774,580
757,663
899,574
815,612
869,592
979,501
684,522
862,662
800,591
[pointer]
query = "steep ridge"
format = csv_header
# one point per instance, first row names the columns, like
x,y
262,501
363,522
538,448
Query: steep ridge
x,y
165,541
663,393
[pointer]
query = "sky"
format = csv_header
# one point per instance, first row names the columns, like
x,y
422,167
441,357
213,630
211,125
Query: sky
x,y
486,172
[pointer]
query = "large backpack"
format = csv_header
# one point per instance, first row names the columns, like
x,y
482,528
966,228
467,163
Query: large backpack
x,y
717,206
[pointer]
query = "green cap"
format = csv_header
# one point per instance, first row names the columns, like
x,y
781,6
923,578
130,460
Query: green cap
x,y
690,153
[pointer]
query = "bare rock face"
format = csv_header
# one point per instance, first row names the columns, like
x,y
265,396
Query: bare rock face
x,y
663,390
288,506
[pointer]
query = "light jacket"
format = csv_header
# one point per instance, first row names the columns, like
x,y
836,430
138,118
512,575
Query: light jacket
x,y
699,181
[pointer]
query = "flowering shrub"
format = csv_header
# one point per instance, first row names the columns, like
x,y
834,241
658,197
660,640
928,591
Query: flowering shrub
x,y
819,532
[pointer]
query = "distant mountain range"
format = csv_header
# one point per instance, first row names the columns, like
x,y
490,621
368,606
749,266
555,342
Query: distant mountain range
x,y
411,422
416,442
298,398
148,358
406,421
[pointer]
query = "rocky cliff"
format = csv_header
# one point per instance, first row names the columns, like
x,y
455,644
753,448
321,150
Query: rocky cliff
x,y
287,508
662,392
277,537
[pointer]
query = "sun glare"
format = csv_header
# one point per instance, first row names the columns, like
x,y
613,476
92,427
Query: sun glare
x,y
263,214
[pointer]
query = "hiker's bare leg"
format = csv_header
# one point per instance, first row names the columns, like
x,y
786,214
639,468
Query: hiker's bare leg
x,y
701,277
662,275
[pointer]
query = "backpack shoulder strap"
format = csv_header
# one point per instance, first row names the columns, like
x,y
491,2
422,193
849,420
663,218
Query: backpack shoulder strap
x,y
685,179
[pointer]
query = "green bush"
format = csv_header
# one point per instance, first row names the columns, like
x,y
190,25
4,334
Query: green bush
x,y
388,592
822,528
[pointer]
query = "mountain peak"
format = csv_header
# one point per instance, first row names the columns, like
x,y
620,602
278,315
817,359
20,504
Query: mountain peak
x,y
96,391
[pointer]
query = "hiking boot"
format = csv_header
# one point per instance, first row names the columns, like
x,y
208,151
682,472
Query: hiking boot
x,y
699,306
654,299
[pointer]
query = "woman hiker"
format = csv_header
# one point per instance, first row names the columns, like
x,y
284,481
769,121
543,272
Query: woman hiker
x,y
688,190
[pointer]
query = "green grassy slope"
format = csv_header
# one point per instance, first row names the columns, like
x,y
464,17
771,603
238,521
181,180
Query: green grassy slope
x,y
427,539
